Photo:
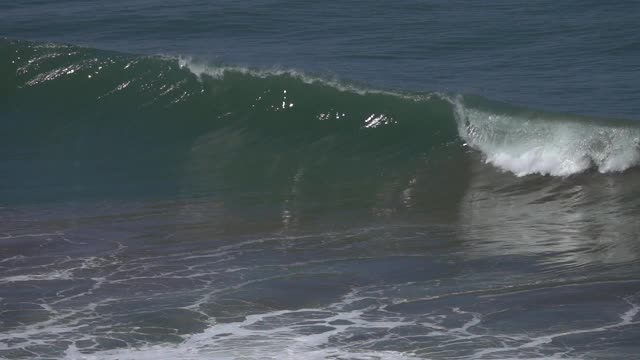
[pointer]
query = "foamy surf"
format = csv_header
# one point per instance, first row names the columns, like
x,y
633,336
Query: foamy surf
x,y
527,144
312,334
301,334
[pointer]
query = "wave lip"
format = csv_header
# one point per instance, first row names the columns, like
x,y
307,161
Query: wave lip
x,y
525,143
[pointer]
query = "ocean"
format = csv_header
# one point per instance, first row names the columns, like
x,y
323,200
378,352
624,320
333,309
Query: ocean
x,y
343,180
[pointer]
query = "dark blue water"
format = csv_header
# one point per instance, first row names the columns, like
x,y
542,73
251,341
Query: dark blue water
x,y
342,180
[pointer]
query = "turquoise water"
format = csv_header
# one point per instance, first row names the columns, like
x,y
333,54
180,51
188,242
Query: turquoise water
x,y
415,180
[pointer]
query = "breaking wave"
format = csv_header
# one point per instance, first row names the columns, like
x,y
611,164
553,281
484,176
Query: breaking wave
x,y
163,104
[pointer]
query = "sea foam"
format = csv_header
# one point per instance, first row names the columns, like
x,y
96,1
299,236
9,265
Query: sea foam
x,y
527,144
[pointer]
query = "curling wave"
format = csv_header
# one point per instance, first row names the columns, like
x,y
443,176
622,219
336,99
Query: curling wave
x,y
165,104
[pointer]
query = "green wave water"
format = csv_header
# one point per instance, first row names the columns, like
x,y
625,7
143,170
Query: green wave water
x,y
86,122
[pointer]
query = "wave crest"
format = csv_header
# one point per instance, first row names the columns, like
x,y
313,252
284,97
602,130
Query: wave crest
x,y
525,143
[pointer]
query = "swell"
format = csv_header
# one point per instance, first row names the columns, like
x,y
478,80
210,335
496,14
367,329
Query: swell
x,y
66,79
64,103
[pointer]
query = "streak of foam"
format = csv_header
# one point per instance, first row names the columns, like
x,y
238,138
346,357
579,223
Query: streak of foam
x,y
219,72
274,335
53,275
284,334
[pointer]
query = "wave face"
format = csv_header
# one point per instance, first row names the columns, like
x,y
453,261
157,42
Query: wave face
x,y
85,111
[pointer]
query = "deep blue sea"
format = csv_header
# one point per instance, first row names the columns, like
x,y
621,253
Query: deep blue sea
x,y
342,180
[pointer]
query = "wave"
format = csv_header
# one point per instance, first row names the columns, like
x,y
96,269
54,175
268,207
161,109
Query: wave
x,y
164,105
527,143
